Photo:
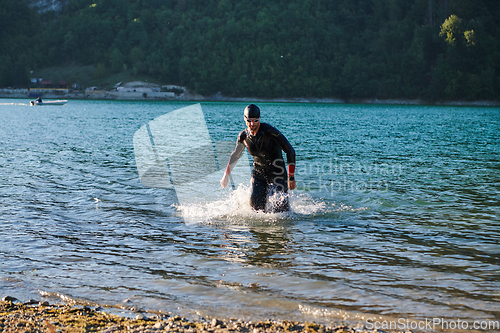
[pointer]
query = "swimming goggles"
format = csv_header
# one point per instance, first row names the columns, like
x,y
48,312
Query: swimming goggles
x,y
250,120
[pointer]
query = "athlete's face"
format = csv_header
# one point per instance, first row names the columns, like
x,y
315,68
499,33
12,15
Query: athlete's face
x,y
253,124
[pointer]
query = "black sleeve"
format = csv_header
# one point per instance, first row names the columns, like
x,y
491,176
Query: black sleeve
x,y
236,154
285,146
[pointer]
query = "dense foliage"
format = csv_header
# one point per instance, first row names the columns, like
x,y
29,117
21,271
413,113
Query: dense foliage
x,y
431,49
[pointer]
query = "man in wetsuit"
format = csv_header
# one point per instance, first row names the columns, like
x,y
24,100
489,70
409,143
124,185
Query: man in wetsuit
x,y
264,143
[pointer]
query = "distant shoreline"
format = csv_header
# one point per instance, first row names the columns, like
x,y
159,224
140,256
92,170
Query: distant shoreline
x,y
353,101
189,96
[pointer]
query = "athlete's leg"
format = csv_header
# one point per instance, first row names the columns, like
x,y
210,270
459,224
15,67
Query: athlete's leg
x,y
258,196
281,204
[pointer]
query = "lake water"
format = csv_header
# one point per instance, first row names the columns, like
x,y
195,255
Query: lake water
x,y
396,214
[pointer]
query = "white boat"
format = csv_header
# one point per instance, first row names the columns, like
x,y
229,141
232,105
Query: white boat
x,y
44,103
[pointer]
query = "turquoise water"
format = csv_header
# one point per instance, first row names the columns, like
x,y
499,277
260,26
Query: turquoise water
x,y
396,214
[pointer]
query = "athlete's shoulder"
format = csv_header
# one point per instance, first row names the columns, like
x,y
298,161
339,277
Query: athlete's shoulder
x,y
243,135
271,130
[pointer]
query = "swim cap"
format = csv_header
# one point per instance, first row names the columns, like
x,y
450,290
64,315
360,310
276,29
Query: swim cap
x,y
252,111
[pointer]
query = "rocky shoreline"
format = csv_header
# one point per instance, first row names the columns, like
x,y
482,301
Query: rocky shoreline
x,y
36,317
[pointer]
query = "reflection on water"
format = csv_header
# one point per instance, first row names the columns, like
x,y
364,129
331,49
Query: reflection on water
x,y
420,242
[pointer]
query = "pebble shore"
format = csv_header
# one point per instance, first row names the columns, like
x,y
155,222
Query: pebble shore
x,y
38,317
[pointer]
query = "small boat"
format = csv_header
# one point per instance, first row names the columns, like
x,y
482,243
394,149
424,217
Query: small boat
x,y
44,103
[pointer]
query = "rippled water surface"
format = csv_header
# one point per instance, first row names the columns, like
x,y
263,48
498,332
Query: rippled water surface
x,y
396,214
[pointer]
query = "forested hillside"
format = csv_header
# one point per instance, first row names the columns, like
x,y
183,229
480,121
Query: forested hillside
x,y
430,49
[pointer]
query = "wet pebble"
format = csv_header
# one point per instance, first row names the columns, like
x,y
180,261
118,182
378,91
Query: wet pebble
x,y
31,301
215,322
141,317
159,325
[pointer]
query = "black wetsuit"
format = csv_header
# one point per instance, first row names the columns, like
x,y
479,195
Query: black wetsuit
x,y
269,171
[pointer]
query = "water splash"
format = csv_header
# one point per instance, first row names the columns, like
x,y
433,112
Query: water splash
x,y
235,207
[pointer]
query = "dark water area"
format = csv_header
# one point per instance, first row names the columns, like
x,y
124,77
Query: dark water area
x,y
396,214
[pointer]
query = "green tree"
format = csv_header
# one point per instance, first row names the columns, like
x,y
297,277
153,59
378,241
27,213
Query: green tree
x,y
452,31
117,60
70,46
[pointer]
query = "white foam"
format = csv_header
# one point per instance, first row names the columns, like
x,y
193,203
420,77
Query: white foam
x,y
234,204
234,207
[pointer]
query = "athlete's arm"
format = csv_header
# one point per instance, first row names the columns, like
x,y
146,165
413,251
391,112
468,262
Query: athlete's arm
x,y
290,159
233,159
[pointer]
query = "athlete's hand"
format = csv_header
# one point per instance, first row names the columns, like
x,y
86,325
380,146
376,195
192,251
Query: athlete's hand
x,y
225,180
292,184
